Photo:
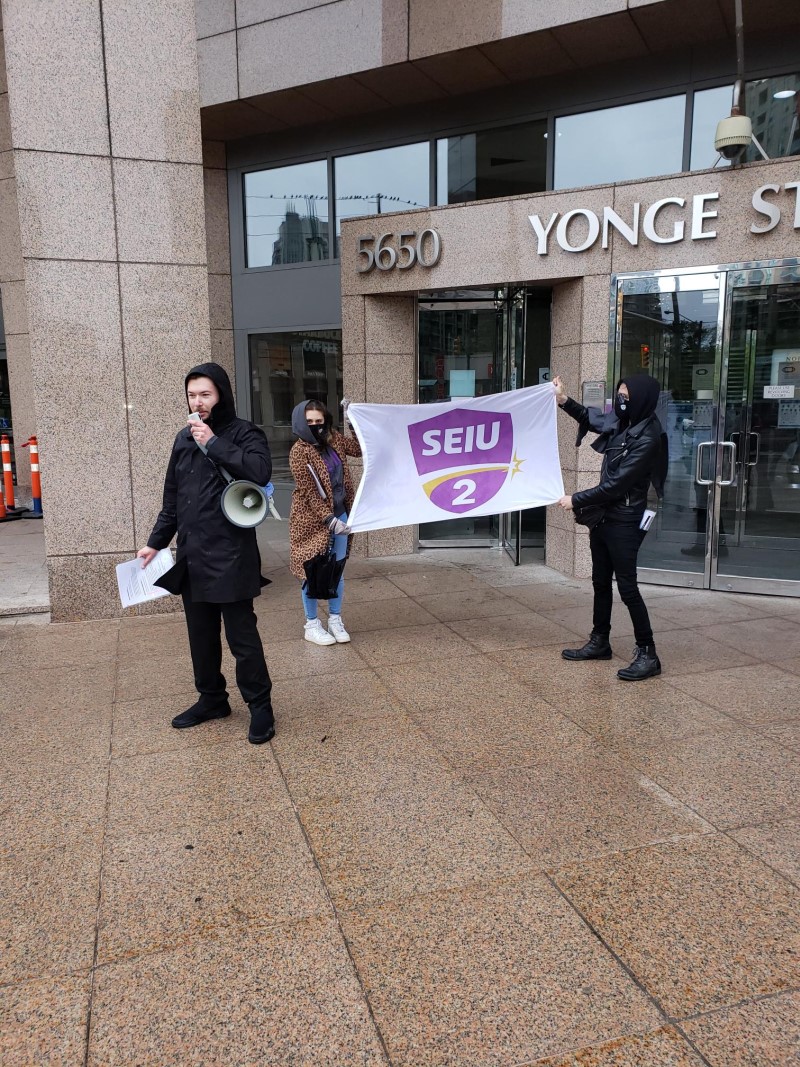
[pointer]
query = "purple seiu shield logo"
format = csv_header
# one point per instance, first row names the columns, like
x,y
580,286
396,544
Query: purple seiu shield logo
x,y
467,452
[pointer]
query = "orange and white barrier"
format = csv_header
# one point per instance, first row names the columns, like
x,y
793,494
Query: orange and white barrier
x,y
35,511
8,477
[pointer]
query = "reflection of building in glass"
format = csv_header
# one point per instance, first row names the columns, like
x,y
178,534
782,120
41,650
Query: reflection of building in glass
x,y
775,118
301,238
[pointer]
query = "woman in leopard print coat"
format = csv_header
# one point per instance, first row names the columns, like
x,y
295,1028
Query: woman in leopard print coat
x,y
321,502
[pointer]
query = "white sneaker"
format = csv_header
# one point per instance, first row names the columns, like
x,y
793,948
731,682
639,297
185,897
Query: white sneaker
x,y
336,629
315,633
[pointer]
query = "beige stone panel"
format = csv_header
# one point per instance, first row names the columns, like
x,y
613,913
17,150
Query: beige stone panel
x,y
151,68
219,301
160,216
353,324
3,71
218,239
566,429
560,548
10,242
565,363
85,586
567,307
556,516
214,16
354,376
166,331
596,312
5,132
76,363
66,206
389,324
339,38
527,16
583,556
594,361
451,24
484,243
734,242
217,69
399,541
6,158
214,154
23,404
249,12
222,352
15,308
394,31
390,378
56,77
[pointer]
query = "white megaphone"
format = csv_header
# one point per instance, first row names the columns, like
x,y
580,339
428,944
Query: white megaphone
x,y
243,502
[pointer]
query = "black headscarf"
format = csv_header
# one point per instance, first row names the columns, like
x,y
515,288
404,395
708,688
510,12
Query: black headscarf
x,y
224,411
301,428
643,392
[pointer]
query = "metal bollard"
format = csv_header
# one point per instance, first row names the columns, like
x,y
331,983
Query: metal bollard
x,y
35,512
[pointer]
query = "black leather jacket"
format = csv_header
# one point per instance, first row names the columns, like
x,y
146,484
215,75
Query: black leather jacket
x,y
631,461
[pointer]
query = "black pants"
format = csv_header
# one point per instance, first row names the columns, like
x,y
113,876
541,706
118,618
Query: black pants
x,y
205,641
614,551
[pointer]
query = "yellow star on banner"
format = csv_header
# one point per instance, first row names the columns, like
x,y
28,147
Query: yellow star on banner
x,y
517,468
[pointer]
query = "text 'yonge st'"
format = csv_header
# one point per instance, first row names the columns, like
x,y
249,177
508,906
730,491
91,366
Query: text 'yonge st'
x,y
701,210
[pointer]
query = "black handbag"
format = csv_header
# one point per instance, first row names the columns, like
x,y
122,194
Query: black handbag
x,y
323,574
591,515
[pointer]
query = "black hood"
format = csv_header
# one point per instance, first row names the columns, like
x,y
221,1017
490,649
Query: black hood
x,y
224,411
300,425
644,392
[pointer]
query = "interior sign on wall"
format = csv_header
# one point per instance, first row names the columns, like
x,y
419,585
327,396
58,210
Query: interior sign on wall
x,y
399,251
664,222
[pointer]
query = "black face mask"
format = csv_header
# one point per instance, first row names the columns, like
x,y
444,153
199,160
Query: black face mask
x,y
621,405
320,433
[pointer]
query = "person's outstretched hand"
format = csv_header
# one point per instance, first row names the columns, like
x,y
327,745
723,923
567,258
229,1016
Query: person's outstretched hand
x,y
561,392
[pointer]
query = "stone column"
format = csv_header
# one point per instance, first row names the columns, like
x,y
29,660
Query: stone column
x,y
105,135
218,251
579,353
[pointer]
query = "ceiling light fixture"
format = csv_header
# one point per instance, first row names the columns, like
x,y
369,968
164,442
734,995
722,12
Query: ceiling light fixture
x,y
784,94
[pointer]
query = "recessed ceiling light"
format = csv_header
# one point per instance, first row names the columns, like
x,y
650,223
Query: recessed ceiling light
x,y
784,94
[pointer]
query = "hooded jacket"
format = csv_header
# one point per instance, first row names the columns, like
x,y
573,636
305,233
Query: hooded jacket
x,y
220,561
313,502
634,451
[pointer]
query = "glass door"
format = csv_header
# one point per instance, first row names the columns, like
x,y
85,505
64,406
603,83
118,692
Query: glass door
x,y
758,490
726,348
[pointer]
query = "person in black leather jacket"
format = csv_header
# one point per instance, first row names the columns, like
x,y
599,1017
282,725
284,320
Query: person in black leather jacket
x,y
631,441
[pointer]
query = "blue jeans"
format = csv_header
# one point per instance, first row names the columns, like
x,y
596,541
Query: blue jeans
x,y
335,603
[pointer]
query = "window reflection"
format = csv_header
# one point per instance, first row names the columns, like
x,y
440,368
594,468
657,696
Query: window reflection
x,y
620,143
286,214
773,105
373,183
286,368
491,163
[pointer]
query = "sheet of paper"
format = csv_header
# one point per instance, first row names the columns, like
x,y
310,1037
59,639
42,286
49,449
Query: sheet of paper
x,y
136,582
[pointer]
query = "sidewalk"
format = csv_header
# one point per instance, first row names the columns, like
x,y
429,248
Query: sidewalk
x,y
459,849
23,571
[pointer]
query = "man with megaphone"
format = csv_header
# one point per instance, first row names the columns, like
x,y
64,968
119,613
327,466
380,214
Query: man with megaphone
x,y
218,566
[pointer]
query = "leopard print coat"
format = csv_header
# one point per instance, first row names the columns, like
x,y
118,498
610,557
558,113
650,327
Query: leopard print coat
x,y
308,534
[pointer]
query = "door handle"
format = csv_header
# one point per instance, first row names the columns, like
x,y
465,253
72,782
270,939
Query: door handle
x,y
729,481
698,468
753,462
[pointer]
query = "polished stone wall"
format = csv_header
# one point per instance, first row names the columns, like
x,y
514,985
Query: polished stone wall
x,y
104,131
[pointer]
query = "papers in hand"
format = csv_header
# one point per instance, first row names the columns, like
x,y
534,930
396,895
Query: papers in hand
x,y
136,582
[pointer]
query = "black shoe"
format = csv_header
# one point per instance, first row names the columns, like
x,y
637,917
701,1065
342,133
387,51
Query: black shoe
x,y
646,664
262,725
261,739
597,647
196,714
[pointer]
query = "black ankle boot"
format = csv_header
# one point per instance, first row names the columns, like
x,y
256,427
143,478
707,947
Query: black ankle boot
x,y
646,664
262,726
199,712
597,647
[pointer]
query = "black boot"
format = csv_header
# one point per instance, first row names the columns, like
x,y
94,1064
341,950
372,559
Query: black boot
x,y
646,664
201,712
597,647
262,725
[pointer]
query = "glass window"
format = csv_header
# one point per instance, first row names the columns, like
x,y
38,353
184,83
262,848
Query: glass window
x,y
286,368
620,143
390,179
286,214
773,105
504,162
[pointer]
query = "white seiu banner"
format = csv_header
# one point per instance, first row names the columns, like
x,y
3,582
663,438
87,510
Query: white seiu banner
x,y
472,456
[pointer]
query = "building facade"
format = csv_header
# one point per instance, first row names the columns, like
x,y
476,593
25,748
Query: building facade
x,y
384,198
